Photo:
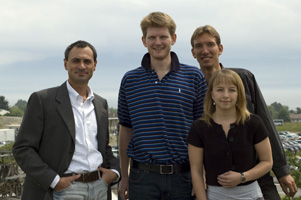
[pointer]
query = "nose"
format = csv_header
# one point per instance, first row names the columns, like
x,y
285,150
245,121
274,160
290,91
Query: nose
x,y
82,65
226,94
157,40
205,49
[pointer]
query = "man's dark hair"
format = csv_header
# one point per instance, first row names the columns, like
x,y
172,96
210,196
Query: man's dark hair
x,y
80,44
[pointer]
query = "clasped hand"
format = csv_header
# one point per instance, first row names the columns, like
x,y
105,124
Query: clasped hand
x,y
229,179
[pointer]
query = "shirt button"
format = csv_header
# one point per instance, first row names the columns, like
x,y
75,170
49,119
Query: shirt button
x,y
156,82
228,153
231,139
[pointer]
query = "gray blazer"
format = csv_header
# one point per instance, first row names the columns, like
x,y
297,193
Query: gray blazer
x,y
46,140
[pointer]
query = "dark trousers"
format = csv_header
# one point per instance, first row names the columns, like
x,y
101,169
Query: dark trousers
x,y
155,186
268,187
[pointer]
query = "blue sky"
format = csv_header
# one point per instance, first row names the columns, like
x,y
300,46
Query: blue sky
x,y
263,36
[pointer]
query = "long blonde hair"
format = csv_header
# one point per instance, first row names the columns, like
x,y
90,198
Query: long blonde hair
x,y
226,76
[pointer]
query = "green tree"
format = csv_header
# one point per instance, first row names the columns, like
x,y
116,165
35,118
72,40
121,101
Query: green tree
x,y
298,110
3,103
284,114
21,104
16,112
272,112
277,106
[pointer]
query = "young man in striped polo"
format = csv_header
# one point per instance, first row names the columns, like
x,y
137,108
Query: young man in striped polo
x,y
157,103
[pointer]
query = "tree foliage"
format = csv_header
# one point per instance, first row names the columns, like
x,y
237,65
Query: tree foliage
x,y
277,106
16,112
278,111
272,112
21,104
3,103
284,114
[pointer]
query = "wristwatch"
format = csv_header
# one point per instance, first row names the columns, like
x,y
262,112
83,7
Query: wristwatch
x,y
243,178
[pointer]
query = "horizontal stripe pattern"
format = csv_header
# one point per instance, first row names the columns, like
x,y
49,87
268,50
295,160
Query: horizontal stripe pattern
x,y
160,112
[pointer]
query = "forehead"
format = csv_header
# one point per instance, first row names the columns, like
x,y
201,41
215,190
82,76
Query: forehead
x,y
224,81
151,31
78,52
204,38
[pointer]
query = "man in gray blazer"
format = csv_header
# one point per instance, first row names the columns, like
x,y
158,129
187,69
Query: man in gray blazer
x,y
62,144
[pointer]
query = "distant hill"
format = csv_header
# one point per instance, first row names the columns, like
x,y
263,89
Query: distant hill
x,y
4,121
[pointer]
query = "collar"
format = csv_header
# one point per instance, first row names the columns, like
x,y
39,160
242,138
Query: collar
x,y
221,65
175,64
75,97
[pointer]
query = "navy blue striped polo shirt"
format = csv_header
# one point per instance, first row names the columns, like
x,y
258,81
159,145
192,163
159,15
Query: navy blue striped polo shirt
x,y
160,112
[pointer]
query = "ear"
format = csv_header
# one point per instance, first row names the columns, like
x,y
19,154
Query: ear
x,y
192,52
95,65
65,64
143,40
174,39
220,48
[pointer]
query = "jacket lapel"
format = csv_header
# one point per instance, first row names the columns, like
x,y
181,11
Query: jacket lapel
x,y
65,109
97,113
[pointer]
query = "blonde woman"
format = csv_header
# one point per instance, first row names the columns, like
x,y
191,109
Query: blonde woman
x,y
226,142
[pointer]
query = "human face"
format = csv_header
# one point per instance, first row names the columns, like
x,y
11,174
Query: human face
x,y
158,42
225,96
206,51
80,65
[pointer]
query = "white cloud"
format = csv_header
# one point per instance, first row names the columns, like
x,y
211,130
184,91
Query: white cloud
x,y
262,35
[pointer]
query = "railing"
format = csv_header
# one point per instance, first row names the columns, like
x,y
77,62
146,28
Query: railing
x,y
11,178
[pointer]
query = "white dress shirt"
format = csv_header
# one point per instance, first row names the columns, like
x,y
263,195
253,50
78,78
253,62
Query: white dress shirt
x,y
86,157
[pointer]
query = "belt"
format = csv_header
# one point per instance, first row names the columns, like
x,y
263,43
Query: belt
x,y
162,169
86,177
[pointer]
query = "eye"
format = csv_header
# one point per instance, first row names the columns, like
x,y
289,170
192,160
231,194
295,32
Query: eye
x,y
88,61
211,44
75,60
198,46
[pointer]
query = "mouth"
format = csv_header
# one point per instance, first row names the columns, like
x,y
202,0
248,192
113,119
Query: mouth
x,y
81,72
158,48
206,58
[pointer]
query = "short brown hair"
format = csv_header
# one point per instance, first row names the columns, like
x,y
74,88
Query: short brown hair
x,y
158,19
80,44
205,29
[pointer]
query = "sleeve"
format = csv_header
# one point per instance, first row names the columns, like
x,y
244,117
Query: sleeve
x,y
194,137
280,167
111,161
260,133
123,111
27,144
201,90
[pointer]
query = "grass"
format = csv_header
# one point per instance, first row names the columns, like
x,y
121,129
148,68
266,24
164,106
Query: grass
x,y
290,126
